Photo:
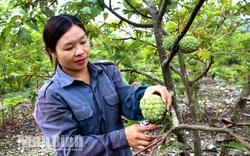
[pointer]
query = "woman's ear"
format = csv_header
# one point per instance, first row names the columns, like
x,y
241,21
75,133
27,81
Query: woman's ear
x,y
52,52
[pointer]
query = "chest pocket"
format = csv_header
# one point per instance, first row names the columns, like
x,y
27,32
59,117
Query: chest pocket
x,y
85,116
113,107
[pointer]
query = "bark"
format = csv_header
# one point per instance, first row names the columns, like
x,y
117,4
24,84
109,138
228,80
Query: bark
x,y
162,138
242,100
166,71
144,74
238,109
192,105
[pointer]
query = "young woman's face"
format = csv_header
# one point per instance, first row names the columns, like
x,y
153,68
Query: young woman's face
x,y
72,50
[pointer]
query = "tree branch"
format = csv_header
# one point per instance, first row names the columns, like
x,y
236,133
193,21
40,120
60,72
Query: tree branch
x,y
52,2
136,9
126,20
219,26
224,35
204,72
133,38
232,53
242,99
143,73
213,129
175,70
238,124
161,139
163,10
184,31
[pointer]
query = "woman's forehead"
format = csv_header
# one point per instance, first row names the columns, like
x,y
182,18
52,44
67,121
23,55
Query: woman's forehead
x,y
75,33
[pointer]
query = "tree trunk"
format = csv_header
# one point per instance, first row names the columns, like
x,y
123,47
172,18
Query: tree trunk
x,y
238,110
192,105
166,72
167,76
242,101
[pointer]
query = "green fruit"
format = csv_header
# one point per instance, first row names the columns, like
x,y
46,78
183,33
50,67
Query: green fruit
x,y
189,44
192,62
153,108
168,42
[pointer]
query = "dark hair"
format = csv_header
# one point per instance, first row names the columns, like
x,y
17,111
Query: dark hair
x,y
54,29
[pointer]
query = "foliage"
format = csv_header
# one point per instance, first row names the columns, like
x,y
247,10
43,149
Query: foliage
x,y
221,26
8,105
24,65
235,145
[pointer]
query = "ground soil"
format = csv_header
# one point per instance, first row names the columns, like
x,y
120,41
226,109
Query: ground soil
x,y
217,107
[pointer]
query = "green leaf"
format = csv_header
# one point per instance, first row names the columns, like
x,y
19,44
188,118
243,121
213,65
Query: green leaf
x,y
15,30
14,100
14,19
10,71
92,1
134,45
21,12
3,24
7,31
25,34
48,12
236,145
33,26
116,8
2,40
204,54
105,15
86,10
127,62
95,11
116,57
101,3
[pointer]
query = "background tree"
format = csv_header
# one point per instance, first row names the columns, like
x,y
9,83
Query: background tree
x,y
138,32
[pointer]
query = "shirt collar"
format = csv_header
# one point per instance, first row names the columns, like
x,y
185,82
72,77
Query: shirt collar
x,y
66,80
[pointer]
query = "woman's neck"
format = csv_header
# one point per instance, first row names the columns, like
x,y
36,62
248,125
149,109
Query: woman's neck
x,y
82,75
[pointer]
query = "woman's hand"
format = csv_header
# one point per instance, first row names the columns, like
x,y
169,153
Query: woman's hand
x,y
136,136
162,90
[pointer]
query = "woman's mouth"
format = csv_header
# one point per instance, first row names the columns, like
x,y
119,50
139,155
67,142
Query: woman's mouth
x,y
81,61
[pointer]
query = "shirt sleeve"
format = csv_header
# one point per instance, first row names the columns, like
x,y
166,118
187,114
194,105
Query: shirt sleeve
x,y
62,130
129,95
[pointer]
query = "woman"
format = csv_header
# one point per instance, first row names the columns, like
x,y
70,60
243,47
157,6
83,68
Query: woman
x,y
80,109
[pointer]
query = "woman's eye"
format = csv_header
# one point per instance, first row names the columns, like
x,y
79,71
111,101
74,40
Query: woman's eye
x,y
83,42
68,48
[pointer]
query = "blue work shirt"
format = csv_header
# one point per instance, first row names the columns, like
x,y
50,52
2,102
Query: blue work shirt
x,y
80,119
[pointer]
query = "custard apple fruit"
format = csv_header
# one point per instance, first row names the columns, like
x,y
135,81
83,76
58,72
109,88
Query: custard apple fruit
x,y
192,62
168,42
153,108
189,44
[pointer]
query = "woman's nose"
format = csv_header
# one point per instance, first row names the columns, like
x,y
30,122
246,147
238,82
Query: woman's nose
x,y
79,50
